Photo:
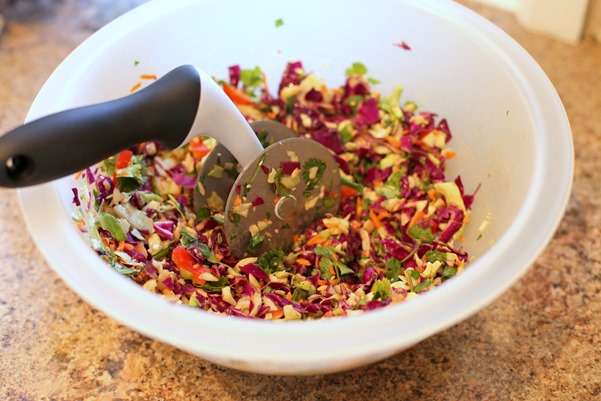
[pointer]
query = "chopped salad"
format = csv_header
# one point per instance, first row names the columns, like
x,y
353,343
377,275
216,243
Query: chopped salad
x,y
397,233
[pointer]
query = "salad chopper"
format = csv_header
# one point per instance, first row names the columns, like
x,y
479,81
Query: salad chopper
x,y
267,194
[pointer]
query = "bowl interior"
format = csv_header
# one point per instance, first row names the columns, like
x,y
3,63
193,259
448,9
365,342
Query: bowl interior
x,y
510,131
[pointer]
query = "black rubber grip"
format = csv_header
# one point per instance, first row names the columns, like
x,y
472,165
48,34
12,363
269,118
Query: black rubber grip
x,y
66,142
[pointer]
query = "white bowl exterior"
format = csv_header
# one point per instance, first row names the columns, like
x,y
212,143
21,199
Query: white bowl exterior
x,y
510,132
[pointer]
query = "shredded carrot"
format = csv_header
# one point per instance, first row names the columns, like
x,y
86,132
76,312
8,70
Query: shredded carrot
x,y
359,207
198,280
148,76
137,86
449,154
377,222
236,95
347,191
322,282
418,216
332,271
276,199
316,240
303,262
289,296
237,200
393,141
277,314
432,193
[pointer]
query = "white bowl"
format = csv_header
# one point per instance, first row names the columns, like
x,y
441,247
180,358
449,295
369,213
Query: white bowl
x,y
510,132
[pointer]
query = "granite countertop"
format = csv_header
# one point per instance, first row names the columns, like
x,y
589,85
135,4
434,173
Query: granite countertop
x,y
541,340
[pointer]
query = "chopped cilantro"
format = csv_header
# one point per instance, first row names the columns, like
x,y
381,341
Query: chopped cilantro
x,y
251,79
381,289
203,213
272,261
207,253
313,170
188,239
303,289
433,256
234,218
280,189
324,267
421,234
290,102
448,272
392,187
255,242
422,286
356,69
279,22
393,269
414,274
329,260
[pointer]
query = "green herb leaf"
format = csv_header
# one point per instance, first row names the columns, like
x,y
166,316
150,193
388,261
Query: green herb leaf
x,y
272,261
128,184
448,272
279,22
312,172
303,289
188,239
433,256
414,274
251,79
290,102
421,234
280,189
356,69
422,286
207,253
255,242
203,213
393,269
324,267
381,289
343,269
234,218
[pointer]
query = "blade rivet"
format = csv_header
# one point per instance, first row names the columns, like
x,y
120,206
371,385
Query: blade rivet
x,y
285,207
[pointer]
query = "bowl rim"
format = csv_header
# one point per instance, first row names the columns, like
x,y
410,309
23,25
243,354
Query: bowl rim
x,y
222,337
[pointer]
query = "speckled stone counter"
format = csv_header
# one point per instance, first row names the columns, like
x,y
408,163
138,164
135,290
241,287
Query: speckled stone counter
x,y
541,340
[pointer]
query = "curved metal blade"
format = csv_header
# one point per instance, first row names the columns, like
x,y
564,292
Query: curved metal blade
x,y
220,169
285,189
